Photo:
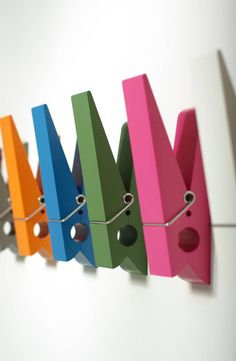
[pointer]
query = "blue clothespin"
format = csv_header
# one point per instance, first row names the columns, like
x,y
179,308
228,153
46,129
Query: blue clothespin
x,y
64,194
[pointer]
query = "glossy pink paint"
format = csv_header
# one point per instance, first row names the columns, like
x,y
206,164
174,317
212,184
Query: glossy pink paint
x,y
163,177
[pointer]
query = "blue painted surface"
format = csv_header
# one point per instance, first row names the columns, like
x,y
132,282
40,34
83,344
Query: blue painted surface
x,y
60,190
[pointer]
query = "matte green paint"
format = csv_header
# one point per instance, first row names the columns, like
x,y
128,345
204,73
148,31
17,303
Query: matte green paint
x,y
105,184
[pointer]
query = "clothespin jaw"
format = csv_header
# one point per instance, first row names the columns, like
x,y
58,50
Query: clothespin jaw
x,y
26,198
7,230
171,187
65,203
136,259
112,201
86,256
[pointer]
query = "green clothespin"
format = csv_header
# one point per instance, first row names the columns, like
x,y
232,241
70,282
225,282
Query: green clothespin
x,y
111,194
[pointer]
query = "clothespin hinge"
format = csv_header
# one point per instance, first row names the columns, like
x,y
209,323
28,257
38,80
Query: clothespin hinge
x,y
189,199
128,199
80,200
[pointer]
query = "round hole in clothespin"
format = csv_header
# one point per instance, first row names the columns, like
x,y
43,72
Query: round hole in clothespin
x,y
127,235
40,229
79,232
188,240
8,228
128,198
189,197
80,199
41,200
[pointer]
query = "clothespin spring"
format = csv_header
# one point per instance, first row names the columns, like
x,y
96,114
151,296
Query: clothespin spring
x,y
9,209
224,225
81,200
189,198
128,199
39,209
5,212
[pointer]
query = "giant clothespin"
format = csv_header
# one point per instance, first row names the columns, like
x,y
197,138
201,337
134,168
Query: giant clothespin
x,y
171,187
64,194
110,191
7,230
27,203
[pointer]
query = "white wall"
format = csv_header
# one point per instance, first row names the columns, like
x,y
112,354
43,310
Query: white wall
x,y
49,50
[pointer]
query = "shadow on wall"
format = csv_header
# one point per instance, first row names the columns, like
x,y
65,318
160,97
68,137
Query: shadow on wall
x,y
90,271
20,259
51,263
230,99
205,289
138,279
230,102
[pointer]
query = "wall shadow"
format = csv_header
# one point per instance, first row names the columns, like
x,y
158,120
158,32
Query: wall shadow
x,y
20,259
90,271
51,263
208,290
138,279
230,99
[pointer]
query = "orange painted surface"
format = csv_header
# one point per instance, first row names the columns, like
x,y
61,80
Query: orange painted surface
x,y
24,191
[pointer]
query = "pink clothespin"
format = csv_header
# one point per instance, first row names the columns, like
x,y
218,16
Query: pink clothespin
x,y
171,187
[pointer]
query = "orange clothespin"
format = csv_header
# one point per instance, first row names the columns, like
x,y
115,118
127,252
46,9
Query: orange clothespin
x,y
27,201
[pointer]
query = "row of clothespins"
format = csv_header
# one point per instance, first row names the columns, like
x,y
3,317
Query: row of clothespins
x,y
148,208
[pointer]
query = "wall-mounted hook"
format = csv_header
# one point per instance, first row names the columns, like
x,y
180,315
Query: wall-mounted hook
x,y
30,220
110,190
171,187
64,194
